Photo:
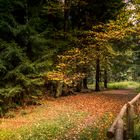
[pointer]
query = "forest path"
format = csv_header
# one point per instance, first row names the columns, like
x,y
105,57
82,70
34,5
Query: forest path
x,y
92,105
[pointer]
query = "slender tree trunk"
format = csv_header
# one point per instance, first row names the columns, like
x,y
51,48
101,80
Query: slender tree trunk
x,y
67,5
27,12
97,86
79,86
85,83
105,78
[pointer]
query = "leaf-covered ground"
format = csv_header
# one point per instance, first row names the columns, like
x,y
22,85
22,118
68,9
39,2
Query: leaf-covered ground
x,y
79,111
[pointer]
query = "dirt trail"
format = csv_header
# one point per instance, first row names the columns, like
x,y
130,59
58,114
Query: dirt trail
x,y
95,104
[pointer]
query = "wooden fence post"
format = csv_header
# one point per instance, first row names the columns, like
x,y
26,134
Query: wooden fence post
x,y
130,121
112,129
137,107
119,130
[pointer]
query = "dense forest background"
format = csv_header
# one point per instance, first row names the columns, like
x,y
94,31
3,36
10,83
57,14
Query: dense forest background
x,y
62,45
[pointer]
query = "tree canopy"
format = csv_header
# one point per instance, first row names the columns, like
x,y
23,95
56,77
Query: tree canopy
x,y
63,44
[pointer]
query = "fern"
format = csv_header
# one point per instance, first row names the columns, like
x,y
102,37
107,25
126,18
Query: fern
x,y
11,91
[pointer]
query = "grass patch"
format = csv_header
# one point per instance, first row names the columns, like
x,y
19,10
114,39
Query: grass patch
x,y
98,130
119,85
44,130
124,85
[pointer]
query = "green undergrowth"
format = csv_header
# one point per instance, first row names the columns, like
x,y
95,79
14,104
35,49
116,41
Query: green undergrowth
x,y
98,130
124,85
58,128
45,129
119,85
137,129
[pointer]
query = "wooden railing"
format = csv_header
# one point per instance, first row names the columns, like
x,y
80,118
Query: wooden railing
x,y
123,126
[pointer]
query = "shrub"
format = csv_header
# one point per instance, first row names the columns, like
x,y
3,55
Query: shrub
x,y
10,114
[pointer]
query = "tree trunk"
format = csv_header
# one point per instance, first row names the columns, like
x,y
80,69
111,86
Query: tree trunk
x,y
67,5
97,86
52,87
105,78
85,83
79,86
59,89
27,12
